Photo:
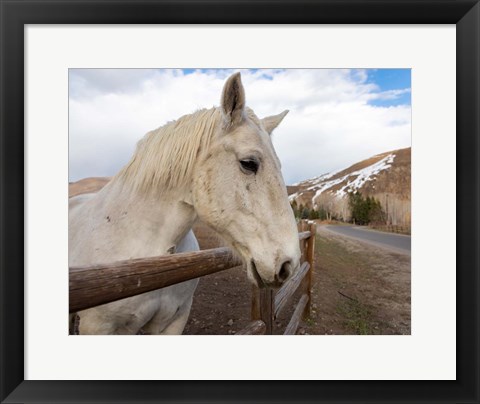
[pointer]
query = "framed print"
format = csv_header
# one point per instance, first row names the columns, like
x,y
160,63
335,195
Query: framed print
x,y
45,44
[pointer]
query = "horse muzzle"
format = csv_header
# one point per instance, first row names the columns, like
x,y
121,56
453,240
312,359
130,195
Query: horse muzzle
x,y
264,277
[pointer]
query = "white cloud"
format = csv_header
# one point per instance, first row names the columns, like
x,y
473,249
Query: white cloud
x,y
330,124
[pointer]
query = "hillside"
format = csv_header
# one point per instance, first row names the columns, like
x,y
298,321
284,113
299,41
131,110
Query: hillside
x,y
87,185
385,177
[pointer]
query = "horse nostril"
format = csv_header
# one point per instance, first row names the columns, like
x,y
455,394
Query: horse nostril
x,y
284,272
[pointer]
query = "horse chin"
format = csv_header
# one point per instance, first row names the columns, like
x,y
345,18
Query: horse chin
x,y
254,276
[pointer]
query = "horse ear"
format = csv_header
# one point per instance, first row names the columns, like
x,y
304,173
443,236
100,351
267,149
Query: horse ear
x,y
233,100
271,122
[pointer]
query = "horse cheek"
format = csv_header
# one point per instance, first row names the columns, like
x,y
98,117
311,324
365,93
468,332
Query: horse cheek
x,y
204,199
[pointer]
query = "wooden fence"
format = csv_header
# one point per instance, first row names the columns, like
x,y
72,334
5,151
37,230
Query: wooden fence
x,y
95,285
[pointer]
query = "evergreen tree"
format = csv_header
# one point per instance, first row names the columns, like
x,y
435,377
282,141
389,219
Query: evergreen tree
x,y
365,210
313,214
322,213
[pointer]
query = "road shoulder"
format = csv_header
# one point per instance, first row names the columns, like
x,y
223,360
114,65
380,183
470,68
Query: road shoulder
x,y
331,229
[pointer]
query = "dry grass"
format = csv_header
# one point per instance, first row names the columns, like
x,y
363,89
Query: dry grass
x,y
358,289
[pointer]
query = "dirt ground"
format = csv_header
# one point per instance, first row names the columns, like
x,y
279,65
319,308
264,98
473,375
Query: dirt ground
x,y
358,289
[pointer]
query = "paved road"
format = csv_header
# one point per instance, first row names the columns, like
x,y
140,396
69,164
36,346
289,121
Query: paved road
x,y
398,242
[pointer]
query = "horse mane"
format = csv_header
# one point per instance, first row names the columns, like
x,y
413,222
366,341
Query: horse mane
x,y
164,158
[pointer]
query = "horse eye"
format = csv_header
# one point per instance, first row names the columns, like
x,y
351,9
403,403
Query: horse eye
x,y
249,166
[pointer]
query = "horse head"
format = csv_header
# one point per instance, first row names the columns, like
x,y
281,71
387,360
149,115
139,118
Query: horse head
x,y
239,190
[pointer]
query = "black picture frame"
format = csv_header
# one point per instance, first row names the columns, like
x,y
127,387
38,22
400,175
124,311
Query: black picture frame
x,y
16,14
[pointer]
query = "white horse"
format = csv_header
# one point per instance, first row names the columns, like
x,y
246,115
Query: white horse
x,y
218,165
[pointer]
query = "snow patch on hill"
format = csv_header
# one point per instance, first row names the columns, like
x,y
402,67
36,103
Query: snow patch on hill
x,y
365,174
353,180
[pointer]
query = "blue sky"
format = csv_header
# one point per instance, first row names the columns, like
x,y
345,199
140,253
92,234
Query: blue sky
x,y
391,79
384,79
337,116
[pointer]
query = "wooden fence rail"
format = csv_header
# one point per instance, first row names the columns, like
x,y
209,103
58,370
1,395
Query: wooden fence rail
x,y
256,327
100,284
287,291
95,285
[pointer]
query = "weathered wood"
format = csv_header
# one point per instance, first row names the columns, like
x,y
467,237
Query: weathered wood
x,y
304,235
255,306
100,284
311,243
289,288
303,225
310,259
297,314
256,327
262,307
304,229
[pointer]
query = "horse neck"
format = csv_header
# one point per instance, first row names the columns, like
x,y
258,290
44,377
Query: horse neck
x,y
165,217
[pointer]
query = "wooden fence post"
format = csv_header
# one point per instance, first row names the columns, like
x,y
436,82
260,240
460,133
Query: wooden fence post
x,y
302,226
310,258
262,307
